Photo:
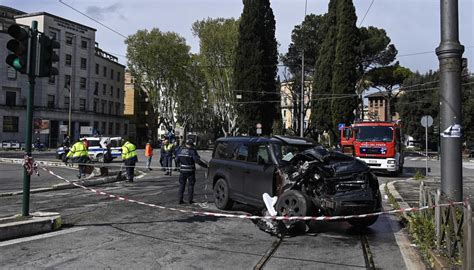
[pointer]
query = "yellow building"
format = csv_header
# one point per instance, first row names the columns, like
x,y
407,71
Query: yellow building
x,y
289,98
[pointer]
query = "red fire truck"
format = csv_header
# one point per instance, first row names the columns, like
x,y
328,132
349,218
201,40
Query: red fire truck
x,y
379,144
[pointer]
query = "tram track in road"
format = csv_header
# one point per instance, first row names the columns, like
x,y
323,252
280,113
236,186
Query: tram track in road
x,y
368,257
269,254
266,257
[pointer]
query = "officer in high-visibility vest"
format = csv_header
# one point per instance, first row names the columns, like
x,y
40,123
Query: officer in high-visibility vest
x,y
79,154
129,157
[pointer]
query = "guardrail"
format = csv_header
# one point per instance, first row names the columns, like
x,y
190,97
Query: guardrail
x,y
453,226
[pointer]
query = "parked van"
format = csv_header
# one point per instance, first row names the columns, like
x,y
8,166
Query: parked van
x,y
98,148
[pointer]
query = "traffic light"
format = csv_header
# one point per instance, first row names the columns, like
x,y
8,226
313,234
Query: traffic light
x,y
19,46
47,56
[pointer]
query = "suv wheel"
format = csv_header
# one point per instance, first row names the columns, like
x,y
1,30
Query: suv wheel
x,y
221,195
294,203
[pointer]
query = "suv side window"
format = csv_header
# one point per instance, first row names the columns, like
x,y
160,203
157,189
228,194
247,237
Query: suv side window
x,y
258,152
242,152
224,150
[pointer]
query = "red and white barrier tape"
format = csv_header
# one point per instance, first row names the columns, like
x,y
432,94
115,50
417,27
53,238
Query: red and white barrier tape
x,y
214,214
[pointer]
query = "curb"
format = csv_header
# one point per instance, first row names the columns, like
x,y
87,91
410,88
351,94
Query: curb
x,y
438,261
38,222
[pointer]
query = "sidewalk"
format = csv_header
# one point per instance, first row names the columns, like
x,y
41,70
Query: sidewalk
x,y
409,189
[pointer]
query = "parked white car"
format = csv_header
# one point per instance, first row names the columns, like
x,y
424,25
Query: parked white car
x,y
98,147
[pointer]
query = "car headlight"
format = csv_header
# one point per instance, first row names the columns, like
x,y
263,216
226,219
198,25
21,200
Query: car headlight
x,y
391,162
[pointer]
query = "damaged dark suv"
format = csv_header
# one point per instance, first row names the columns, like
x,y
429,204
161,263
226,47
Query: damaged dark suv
x,y
307,179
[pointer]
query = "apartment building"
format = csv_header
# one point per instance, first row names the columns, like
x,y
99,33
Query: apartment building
x,y
88,91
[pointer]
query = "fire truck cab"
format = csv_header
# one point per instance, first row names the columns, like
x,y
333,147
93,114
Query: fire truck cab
x,y
379,144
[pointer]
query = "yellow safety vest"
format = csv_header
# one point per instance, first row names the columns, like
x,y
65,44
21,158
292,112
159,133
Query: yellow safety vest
x,y
128,151
78,150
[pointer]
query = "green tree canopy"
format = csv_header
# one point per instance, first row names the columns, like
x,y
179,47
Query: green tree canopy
x,y
218,39
158,62
256,66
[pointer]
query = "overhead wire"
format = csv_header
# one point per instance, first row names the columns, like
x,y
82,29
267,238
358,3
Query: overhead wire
x,y
367,12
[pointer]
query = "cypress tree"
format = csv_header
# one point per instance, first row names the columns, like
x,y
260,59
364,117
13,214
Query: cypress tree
x,y
322,86
256,66
345,65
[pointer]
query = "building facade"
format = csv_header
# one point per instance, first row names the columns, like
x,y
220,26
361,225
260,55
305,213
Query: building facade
x,y
377,109
87,92
287,105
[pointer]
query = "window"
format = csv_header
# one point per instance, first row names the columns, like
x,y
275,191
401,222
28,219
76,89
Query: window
x,y
10,98
82,104
53,35
224,150
111,128
118,92
111,90
95,104
118,76
11,72
51,102
284,114
242,152
66,102
103,127
10,123
67,81
117,109
96,89
68,39
117,128
68,60
84,44
97,69
111,74
111,105
96,126
83,63
103,105
258,153
105,71
104,89
83,83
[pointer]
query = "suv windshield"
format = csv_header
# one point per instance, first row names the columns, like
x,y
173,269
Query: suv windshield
x,y
374,134
285,152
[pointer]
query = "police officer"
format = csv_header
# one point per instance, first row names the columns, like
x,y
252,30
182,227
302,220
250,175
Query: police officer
x,y
129,157
187,158
167,155
79,154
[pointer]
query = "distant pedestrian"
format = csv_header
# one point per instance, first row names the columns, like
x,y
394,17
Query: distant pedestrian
x,y
129,157
79,154
148,154
167,155
187,158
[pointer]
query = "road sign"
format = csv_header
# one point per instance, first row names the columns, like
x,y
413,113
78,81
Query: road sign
x,y
426,121
340,126
258,125
86,130
259,131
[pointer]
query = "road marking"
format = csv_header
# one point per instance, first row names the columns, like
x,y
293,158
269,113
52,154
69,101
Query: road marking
x,y
469,166
41,236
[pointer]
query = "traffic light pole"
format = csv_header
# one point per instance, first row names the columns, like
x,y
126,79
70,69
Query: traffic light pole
x,y
449,54
29,115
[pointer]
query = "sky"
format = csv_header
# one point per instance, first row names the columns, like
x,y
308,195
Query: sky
x,y
412,25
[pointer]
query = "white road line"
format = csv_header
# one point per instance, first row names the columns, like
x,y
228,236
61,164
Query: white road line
x,y
40,236
469,166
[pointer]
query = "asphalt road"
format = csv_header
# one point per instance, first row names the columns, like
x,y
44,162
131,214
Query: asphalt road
x,y
100,232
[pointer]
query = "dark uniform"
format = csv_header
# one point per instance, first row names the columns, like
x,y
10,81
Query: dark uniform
x,y
187,158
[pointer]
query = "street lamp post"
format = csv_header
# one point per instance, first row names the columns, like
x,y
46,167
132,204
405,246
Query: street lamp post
x,y
302,79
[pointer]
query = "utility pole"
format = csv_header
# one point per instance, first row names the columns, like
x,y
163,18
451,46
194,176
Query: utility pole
x,y
302,77
449,54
